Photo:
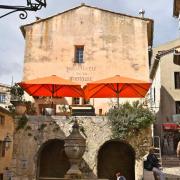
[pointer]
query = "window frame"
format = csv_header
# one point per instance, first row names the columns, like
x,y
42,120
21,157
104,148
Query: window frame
x,y
177,80
2,149
177,106
77,58
2,97
2,119
75,101
86,101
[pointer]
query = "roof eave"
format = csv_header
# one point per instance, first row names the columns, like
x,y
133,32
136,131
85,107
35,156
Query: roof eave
x,y
22,28
41,20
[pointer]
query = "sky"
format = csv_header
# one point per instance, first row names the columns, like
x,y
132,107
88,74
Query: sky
x,y
12,43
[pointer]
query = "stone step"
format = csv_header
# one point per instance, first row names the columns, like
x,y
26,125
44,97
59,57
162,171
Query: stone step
x,y
47,178
172,163
148,175
172,178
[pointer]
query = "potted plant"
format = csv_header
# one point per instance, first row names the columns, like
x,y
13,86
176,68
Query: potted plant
x,y
17,99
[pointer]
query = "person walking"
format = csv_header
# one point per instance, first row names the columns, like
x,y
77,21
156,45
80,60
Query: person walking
x,y
119,177
178,150
155,166
165,146
171,144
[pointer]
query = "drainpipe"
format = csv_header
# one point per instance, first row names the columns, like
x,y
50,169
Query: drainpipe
x,y
179,20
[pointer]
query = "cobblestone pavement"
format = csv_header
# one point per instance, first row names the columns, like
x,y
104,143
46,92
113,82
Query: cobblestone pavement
x,y
172,172
171,166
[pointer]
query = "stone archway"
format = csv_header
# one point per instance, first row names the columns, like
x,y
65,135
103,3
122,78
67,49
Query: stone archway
x,y
52,160
116,156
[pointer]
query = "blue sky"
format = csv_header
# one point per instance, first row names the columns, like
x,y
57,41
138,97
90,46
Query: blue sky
x,y
12,42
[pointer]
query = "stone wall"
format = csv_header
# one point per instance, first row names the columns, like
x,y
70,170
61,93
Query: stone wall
x,y
39,130
6,128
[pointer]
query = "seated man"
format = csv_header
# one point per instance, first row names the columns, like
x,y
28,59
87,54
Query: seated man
x,y
155,166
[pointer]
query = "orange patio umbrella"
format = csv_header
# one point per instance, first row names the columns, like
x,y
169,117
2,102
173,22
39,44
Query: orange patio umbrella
x,y
116,87
53,86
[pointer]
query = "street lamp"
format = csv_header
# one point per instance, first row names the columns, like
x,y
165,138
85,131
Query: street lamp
x,y
7,142
32,5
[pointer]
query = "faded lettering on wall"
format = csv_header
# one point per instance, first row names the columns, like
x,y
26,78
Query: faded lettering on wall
x,y
81,72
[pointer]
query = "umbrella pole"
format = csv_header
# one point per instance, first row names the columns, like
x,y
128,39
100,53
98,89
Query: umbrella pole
x,y
52,96
52,104
118,102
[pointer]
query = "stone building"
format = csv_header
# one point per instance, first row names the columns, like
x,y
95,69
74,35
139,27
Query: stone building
x,y
82,44
6,134
165,90
4,95
86,43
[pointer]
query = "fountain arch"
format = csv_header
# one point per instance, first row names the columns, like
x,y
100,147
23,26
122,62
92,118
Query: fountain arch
x,y
116,156
52,161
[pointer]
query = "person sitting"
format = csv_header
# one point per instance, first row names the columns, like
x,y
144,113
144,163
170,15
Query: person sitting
x,y
119,177
154,165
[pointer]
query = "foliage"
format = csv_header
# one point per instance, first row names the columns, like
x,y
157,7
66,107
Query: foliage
x,y
16,92
41,128
22,122
31,110
56,129
127,119
11,109
28,128
29,134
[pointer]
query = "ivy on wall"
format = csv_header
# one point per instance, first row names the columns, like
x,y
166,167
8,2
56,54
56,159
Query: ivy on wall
x,y
21,123
128,119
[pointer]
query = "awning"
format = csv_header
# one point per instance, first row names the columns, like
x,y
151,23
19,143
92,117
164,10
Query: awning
x,y
171,126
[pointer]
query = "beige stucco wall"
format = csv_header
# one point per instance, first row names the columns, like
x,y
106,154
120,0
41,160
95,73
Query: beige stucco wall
x,y
6,129
166,94
113,44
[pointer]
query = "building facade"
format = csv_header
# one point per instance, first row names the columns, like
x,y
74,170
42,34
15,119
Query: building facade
x,y
4,95
6,134
85,44
165,91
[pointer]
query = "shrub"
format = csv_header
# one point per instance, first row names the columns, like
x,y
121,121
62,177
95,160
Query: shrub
x,y
16,93
128,119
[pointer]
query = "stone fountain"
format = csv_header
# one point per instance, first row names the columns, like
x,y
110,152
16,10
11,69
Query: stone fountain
x,y
75,145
